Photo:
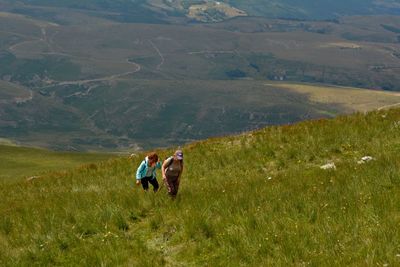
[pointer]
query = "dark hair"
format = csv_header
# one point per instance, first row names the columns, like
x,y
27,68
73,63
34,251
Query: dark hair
x,y
152,157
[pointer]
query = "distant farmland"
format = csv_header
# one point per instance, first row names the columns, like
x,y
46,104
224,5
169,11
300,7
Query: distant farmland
x,y
87,82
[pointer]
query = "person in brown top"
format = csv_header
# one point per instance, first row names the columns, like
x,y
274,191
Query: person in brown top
x,y
171,171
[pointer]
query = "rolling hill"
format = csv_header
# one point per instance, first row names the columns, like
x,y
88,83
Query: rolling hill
x,y
17,163
160,11
259,198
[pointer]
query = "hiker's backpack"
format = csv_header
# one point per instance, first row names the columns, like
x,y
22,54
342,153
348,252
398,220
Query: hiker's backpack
x,y
171,160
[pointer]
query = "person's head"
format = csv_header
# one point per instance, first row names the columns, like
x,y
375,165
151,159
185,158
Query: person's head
x,y
178,155
152,158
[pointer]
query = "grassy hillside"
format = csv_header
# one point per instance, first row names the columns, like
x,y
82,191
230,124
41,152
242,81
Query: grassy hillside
x,y
22,162
257,199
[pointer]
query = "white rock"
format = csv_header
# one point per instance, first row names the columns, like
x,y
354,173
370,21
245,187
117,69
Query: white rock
x,y
365,159
32,178
329,166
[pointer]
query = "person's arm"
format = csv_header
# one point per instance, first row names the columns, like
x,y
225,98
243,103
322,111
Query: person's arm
x,y
180,174
164,166
158,165
139,171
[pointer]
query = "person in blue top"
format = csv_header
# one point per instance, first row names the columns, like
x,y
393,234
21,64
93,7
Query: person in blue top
x,y
146,173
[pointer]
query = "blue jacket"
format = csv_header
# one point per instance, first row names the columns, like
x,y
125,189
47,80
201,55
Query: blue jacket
x,y
142,170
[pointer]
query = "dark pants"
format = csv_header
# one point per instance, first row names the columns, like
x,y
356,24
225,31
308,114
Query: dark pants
x,y
153,181
172,184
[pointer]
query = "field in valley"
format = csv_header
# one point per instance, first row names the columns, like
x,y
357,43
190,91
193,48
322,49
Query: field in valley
x,y
352,99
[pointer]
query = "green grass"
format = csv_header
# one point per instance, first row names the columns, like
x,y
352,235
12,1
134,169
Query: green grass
x,y
19,162
257,199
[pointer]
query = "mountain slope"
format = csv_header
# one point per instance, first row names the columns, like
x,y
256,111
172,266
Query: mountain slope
x,y
159,11
309,9
257,199
18,162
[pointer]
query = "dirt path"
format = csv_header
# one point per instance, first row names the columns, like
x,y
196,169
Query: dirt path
x,y
107,78
389,106
77,82
159,53
13,47
48,41
32,39
19,34
102,79
211,52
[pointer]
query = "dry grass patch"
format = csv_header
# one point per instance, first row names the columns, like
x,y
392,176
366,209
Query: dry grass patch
x,y
198,11
353,99
12,91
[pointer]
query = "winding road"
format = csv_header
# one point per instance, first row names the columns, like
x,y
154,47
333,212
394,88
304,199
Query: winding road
x,y
52,83
102,79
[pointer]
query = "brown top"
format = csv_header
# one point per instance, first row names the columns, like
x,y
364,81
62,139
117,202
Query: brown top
x,y
174,169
